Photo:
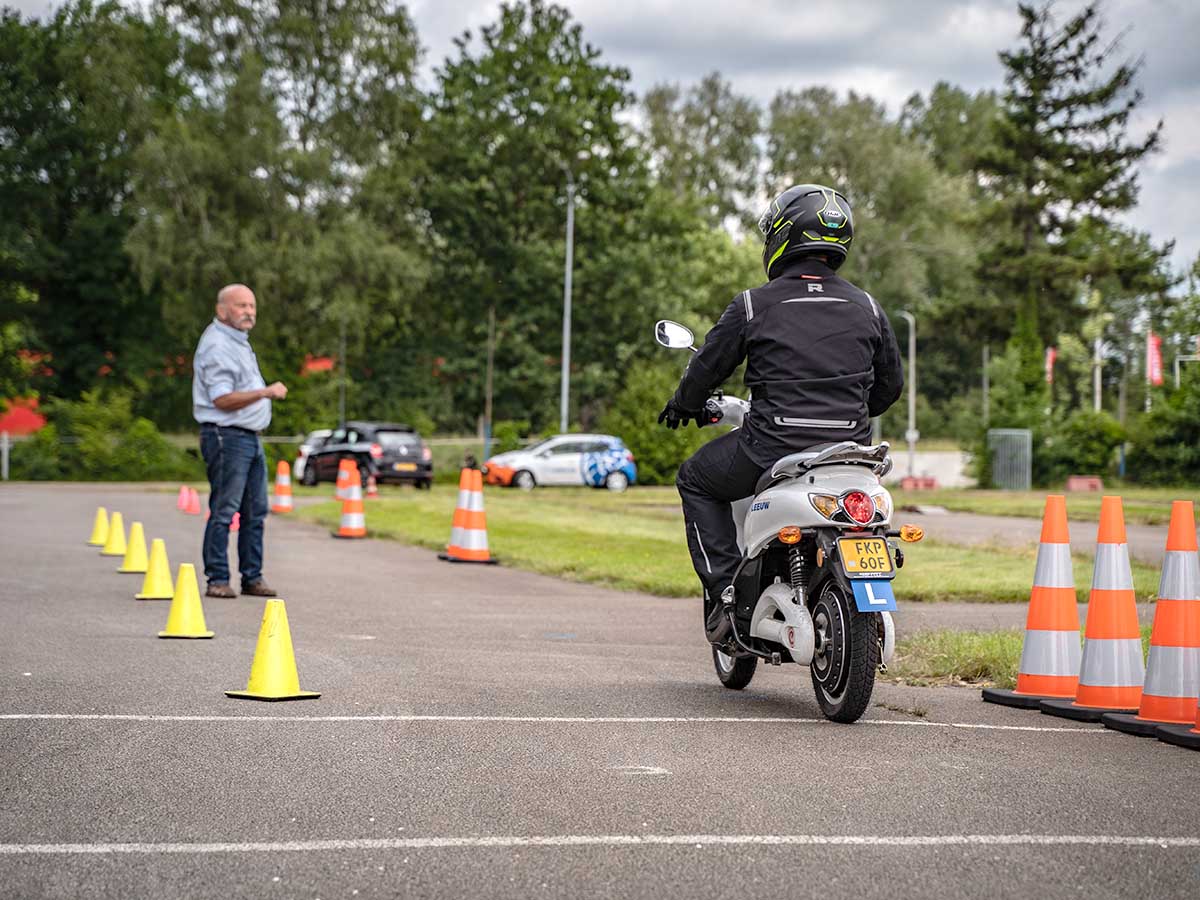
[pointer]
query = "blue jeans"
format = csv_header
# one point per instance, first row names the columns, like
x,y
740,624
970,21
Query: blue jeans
x,y
237,476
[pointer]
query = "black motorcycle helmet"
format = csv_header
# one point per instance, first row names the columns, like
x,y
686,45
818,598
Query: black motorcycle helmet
x,y
804,220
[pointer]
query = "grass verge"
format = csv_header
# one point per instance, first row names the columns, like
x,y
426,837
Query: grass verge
x,y
1143,506
983,658
635,541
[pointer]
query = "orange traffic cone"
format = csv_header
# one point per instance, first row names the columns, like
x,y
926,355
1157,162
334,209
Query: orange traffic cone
x,y
343,478
1112,670
181,502
1050,655
354,520
1182,735
193,502
1173,667
282,501
372,488
468,531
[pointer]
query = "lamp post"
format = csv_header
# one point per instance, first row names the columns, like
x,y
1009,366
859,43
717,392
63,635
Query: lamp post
x,y
564,397
912,434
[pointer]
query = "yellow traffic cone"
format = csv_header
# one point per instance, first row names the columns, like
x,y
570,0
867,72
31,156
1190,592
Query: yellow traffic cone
x,y
114,543
135,552
157,583
99,528
186,618
273,674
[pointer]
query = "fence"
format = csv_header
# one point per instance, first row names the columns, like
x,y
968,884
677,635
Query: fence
x,y
1011,450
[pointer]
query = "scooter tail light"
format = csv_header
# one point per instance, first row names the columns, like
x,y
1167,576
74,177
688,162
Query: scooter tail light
x,y
859,507
910,534
790,534
883,503
825,504
376,451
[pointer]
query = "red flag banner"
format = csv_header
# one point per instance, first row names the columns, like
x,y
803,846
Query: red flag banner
x,y
1051,356
1154,365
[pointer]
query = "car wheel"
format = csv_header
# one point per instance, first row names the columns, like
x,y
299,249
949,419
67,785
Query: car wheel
x,y
424,485
309,478
616,481
524,480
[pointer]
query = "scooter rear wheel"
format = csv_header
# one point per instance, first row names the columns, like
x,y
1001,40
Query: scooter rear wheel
x,y
735,672
847,654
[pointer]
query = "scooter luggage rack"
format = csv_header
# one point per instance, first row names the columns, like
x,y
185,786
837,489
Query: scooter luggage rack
x,y
847,452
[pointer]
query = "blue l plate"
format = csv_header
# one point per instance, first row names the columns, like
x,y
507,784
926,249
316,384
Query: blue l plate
x,y
874,596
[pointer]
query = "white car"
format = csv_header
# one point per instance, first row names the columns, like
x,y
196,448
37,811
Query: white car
x,y
311,441
595,460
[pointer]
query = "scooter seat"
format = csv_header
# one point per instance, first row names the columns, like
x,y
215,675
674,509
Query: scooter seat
x,y
842,452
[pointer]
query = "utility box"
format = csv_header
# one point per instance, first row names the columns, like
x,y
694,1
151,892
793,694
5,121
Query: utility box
x,y
1011,450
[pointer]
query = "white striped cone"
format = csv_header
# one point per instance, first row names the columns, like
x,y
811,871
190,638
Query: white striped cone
x,y
282,501
1112,669
1050,655
354,520
1173,666
468,537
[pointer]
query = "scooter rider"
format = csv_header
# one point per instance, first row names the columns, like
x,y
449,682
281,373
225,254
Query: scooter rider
x,y
821,360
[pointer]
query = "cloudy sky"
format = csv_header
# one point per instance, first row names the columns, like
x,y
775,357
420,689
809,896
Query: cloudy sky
x,y
884,48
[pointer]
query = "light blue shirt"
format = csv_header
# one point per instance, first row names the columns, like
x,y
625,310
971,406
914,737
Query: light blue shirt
x,y
224,363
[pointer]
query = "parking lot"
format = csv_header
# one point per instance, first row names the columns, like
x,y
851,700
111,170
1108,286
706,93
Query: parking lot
x,y
488,732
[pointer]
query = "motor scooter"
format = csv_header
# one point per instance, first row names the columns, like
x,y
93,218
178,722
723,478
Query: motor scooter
x,y
814,585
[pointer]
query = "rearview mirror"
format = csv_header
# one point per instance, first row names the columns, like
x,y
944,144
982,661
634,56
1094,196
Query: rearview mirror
x,y
673,335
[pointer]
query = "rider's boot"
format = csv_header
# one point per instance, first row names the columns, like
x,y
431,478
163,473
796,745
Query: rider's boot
x,y
717,627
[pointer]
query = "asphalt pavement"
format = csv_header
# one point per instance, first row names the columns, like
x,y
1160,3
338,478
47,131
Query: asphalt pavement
x,y
493,733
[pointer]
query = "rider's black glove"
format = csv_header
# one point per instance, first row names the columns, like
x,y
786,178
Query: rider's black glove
x,y
672,415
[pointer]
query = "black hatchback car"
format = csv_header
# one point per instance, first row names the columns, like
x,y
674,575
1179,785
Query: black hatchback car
x,y
390,452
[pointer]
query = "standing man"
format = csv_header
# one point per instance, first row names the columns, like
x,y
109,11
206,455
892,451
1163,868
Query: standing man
x,y
232,403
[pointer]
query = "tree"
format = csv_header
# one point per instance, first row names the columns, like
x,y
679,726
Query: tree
x,y
289,168
78,94
703,141
1061,154
913,247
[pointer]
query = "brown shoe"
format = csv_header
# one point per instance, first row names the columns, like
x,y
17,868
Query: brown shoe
x,y
256,589
219,590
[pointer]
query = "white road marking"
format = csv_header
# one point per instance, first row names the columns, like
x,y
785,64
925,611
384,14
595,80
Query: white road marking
x,y
542,720
642,770
616,840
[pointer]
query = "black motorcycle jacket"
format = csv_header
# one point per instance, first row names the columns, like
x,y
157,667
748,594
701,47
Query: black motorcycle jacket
x,y
821,360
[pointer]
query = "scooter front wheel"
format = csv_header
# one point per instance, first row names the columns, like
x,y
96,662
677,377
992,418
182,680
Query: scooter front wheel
x,y
735,672
847,653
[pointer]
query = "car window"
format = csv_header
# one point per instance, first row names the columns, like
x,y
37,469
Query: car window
x,y
397,438
597,447
567,447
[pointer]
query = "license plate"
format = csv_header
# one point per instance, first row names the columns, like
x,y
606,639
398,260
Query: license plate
x,y
865,557
404,467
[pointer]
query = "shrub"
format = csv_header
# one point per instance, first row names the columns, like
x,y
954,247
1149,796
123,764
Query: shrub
x,y
1165,443
1083,445
633,418
98,438
508,434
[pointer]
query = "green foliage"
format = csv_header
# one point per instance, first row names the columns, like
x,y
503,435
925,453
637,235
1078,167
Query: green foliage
x,y
78,95
1061,154
98,438
633,417
1165,443
508,435
1084,444
702,142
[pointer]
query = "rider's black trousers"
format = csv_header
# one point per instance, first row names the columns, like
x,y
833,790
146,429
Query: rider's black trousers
x,y
709,481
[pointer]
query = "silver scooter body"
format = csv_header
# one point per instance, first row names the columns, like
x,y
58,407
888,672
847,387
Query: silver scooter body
x,y
833,470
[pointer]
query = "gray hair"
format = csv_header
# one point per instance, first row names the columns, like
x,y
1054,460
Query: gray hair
x,y
224,293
